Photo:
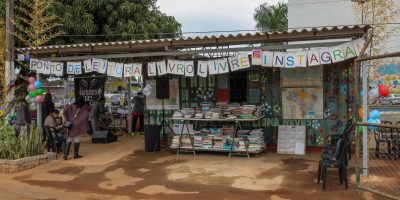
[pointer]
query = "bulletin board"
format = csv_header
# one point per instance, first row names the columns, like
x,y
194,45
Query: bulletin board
x,y
292,140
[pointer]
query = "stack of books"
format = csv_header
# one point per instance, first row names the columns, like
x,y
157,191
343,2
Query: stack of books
x,y
256,140
239,144
198,141
219,142
207,142
185,142
177,114
228,129
199,115
188,112
175,142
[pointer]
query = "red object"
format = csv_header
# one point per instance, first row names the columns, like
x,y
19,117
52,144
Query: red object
x,y
223,95
137,113
383,90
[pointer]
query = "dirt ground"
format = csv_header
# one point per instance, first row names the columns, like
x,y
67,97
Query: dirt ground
x,y
122,170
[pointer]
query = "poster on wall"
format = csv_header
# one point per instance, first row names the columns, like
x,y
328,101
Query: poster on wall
x,y
91,88
302,103
152,103
291,140
302,77
389,75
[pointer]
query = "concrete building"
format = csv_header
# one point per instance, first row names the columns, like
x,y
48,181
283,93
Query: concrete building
x,y
315,13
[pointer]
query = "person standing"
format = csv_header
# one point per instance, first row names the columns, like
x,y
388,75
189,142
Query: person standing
x,y
96,110
138,111
47,106
23,117
78,115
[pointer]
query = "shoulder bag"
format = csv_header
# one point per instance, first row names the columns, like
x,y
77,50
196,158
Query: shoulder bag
x,y
68,124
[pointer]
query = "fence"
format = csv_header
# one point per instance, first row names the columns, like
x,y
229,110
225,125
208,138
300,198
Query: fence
x,y
383,166
378,145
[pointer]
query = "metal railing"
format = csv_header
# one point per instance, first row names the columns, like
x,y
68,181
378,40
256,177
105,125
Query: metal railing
x,y
381,174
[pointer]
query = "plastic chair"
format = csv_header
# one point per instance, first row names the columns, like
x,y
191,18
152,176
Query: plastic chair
x,y
329,150
383,135
50,142
337,161
55,142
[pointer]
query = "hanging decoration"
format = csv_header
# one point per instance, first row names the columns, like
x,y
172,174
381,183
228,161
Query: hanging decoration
x,y
289,59
35,92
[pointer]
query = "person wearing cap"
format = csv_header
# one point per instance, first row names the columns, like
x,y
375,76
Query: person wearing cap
x,y
96,109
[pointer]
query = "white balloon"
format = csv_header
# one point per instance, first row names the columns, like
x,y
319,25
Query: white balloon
x,y
374,93
378,121
147,90
28,99
33,106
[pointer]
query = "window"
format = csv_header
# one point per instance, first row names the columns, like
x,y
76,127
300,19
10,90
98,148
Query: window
x,y
238,86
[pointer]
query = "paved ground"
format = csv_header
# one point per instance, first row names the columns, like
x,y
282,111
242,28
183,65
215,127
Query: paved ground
x,y
123,170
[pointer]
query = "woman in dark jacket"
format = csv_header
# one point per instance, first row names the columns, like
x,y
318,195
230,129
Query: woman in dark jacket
x,y
47,106
78,114
22,117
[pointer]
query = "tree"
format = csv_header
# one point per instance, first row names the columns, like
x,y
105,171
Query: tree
x,y
379,14
271,17
2,55
110,20
34,24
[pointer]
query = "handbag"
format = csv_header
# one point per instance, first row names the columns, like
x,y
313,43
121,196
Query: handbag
x,y
68,124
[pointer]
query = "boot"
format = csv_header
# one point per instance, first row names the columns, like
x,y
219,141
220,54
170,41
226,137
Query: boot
x,y
76,151
66,150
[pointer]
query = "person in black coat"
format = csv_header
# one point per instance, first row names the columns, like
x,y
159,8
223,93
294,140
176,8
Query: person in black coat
x,y
47,106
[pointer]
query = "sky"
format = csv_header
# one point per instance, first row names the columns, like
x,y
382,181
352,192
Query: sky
x,y
212,15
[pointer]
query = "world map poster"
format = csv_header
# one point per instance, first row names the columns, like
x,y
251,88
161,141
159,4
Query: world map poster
x,y
302,103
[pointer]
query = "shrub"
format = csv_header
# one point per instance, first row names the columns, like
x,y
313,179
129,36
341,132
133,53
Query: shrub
x,y
12,147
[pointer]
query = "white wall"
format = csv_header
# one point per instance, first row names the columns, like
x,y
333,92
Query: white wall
x,y
316,13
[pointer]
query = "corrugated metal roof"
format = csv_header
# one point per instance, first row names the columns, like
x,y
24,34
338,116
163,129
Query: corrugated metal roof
x,y
153,44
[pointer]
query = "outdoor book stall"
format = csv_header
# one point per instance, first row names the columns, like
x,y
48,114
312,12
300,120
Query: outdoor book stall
x,y
226,96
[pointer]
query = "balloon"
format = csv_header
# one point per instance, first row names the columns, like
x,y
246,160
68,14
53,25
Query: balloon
x,y
31,80
373,93
372,121
378,121
38,84
28,98
32,94
360,129
361,93
31,87
374,114
39,99
360,112
383,90
33,106
147,90
40,91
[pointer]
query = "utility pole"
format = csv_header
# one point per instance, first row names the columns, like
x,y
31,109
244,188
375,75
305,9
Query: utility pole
x,y
9,64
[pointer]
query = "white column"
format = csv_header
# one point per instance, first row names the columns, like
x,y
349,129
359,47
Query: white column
x,y
39,109
129,106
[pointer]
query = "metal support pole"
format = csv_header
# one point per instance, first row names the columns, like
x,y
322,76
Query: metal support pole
x,y
9,64
364,72
357,75
39,109
129,107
